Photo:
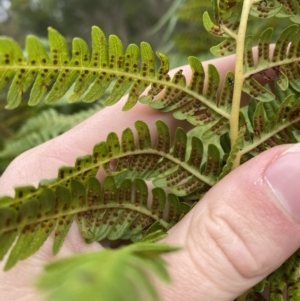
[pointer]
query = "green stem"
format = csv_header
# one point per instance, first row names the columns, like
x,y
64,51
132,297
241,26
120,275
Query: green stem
x,y
239,76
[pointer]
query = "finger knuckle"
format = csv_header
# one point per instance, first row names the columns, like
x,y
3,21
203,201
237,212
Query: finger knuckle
x,y
227,240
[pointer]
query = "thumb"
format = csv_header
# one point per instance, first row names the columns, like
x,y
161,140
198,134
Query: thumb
x,y
244,228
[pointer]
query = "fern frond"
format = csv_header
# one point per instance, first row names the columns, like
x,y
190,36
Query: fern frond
x,y
92,74
273,123
269,120
266,9
171,165
283,284
121,274
119,209
283,62
115,212
182,164
291,9
208,108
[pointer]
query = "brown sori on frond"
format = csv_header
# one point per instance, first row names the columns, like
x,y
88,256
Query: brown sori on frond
x,y
290,9
119,208
51,76
89,75
184,165
280,66
101,211
272,123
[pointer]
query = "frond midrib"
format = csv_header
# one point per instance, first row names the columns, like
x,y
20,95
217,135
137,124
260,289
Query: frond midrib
x,y
136,76
193,171
271,65
268,136
131,206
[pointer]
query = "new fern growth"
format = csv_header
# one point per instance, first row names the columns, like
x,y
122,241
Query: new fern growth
x,y
181,165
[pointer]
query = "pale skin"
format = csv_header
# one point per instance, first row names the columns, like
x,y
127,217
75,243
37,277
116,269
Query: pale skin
x,y
234,237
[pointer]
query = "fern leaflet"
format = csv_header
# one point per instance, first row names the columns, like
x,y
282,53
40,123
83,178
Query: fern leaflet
x,y
101,211
121,274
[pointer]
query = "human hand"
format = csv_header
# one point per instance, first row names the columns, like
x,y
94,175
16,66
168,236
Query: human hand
x,y
240,231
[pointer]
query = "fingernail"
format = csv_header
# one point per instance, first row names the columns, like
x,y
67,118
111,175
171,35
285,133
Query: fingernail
x,y
283,177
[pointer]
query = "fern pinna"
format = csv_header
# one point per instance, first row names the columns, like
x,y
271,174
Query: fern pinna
x,y
182,165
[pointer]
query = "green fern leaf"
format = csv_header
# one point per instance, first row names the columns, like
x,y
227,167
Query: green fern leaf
x,y
99,58
89,76
283,62
121,274
257,91
263,47
147,70
265,10
12,54
211,27
115,212
126,159
162,75
226,47
273,123
248,55
291,10
118,220
283,283
282,43
203,109
60,57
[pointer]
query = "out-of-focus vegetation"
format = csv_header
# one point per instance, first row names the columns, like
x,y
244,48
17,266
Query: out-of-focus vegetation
x,y
129,19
